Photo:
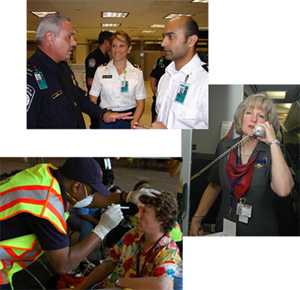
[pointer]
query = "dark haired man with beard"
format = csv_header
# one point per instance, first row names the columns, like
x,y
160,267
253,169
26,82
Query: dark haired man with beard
x,y
182,94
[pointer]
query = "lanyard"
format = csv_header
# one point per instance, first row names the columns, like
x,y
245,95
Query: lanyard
x,y
150,253
125,73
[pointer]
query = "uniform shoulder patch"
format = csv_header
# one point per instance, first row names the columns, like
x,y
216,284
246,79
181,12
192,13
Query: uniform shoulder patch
x,y
136,66
92,62
29,72
30,92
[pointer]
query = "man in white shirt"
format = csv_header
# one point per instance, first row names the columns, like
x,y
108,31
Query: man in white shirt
x,y
182,99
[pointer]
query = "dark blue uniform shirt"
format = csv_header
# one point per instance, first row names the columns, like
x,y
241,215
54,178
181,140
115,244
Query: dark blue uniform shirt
x,y
160,68
92,62
54,99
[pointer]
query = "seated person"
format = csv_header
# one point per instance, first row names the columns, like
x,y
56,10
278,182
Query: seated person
x,y
146,258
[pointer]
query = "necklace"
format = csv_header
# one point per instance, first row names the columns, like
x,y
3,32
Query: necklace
x,y
149,255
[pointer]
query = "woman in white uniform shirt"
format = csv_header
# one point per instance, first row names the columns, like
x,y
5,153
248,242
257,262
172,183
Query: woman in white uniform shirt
x,y
119,84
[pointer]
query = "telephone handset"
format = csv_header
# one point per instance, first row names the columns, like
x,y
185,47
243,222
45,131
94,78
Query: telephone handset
x,y
259,131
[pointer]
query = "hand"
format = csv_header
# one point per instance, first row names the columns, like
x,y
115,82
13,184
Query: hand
x,y
158,125
111,117
270,133
134,196
137,125
134,124
196,227
109,220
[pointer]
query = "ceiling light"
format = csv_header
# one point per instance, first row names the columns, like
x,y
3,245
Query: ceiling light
x,y
42,14
172,15
200,1
110,24
287,106
152,42
157,26
276,94
148,31
114,14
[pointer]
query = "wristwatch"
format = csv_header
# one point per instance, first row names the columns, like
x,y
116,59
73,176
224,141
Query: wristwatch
x,y
275,141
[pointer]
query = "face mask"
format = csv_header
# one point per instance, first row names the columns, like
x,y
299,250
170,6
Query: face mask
x,y
84,202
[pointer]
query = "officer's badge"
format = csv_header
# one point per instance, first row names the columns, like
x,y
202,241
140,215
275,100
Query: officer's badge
x,y
92,62
29,96
56,94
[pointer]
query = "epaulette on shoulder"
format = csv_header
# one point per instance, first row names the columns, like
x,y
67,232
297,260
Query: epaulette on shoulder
x,y
137,66
104,66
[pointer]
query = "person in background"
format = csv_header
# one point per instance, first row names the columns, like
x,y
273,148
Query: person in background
x,y
54,99
146,257
156,74
120,84
252,177
98,57
182,93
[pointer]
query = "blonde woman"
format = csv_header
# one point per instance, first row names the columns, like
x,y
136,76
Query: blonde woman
x,y
250,177
120,85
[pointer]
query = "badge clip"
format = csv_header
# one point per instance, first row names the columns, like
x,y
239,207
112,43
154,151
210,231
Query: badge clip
x,y
183,89
40,80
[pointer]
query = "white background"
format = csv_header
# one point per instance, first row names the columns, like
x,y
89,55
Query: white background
x,y
250,41
241,263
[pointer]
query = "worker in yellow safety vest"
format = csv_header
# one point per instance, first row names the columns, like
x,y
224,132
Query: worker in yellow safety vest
x,y
34,206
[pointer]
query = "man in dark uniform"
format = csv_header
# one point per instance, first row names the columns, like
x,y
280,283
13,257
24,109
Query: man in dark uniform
x,y
97,57
156,74
54,99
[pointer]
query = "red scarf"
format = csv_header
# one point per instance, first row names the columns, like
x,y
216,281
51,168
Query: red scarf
x,y
239,175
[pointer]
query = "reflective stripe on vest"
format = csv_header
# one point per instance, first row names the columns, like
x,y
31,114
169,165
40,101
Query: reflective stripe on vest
x,y
42,199
37,192
17,254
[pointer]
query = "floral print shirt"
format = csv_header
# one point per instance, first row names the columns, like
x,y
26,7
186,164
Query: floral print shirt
x,y
162,259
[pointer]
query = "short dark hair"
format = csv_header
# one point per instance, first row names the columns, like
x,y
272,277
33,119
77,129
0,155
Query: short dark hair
x,y
104,35
165,207
191,27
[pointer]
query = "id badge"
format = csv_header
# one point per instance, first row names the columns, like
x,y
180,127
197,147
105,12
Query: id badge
x,y
40,80
243,219
124,87
183,89
244,211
